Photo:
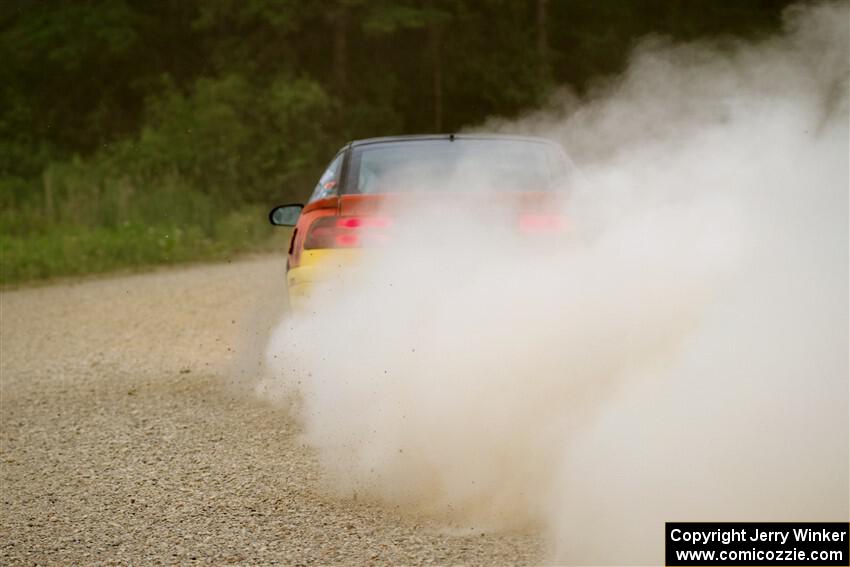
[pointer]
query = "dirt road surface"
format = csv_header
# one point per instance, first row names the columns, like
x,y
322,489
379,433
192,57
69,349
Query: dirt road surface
x,y
129,434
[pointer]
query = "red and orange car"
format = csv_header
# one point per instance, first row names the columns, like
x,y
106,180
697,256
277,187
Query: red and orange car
x,y
350,206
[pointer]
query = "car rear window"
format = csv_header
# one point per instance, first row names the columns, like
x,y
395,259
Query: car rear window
x,y
460,165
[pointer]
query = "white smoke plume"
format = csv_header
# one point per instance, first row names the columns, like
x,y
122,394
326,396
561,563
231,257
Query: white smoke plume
x,y
680,354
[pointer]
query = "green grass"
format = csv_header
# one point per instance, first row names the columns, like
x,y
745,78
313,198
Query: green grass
x,y
75,250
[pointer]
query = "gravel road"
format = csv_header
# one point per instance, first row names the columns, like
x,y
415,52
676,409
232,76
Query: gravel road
x,y
129,434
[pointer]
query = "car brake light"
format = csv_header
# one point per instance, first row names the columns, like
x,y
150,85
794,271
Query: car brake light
x,y
346,232
540,223
362,222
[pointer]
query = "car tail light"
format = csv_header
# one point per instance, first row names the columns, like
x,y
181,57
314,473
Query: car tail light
x,y
346,232
540,223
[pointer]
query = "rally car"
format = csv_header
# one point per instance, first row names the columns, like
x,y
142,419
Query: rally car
x,y
354,203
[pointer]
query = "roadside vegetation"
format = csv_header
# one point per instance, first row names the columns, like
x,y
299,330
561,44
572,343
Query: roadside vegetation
x,y
135,133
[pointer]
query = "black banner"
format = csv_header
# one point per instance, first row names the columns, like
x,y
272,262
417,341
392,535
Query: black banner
x,y
757,543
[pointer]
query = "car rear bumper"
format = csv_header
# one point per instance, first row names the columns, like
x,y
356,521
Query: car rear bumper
x,y
323,267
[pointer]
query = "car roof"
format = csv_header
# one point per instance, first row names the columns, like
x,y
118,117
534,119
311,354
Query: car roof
x,y
450,137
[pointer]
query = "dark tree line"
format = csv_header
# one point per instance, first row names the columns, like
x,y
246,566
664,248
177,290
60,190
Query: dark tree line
x,y
244,99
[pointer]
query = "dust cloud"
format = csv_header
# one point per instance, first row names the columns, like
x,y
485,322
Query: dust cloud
x,y
680,353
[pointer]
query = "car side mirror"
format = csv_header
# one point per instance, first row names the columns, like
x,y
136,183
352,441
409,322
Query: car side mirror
x,y
285,215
